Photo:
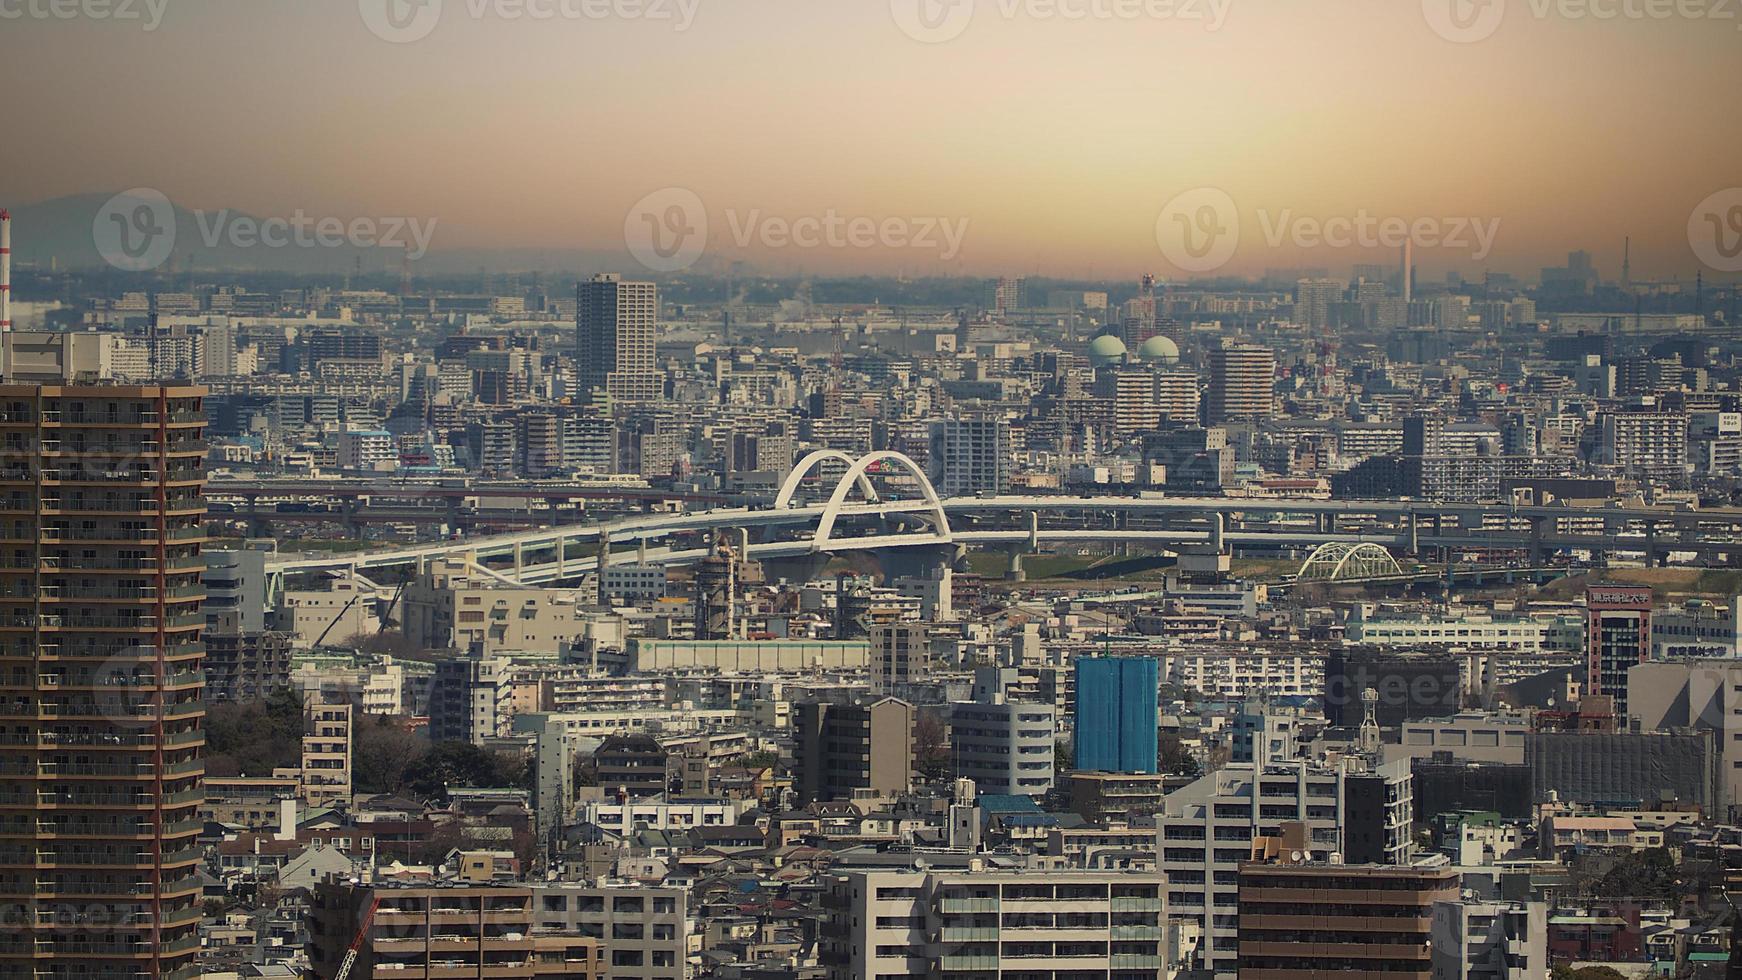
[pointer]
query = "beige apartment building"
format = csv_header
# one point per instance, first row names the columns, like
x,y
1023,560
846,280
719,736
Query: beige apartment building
x,y
326,755
453,607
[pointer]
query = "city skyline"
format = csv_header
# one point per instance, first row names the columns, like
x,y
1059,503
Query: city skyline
x,y
784,490
784,113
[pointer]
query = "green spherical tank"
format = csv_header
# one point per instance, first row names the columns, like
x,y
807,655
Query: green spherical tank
x,y
1106,349
1159,348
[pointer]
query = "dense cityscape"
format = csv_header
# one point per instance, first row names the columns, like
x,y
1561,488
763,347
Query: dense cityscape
x,y
960,490
1148,630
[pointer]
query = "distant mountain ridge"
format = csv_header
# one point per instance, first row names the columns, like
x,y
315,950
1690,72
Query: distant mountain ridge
x,y
60,230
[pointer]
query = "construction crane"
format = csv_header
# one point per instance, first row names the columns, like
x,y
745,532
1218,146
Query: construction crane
x,y
357,944
387,613
337,619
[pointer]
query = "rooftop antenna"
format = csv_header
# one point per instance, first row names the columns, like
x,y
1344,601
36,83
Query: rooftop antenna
x,y
1627,263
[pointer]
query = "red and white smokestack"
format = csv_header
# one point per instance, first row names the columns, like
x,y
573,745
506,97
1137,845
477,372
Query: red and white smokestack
x,y
5,271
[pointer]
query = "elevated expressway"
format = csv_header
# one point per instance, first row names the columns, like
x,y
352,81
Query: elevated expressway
x,y
1021,523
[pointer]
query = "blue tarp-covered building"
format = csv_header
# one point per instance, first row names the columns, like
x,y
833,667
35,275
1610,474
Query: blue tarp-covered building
x,y
1117,714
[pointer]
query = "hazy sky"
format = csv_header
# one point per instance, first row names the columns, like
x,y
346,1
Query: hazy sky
x,y
1058,140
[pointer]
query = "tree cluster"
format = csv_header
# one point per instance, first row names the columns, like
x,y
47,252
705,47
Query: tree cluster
x,y
252,738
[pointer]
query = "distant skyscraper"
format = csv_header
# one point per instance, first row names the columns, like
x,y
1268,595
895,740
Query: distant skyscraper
x,y
1117,714
1313,299
1008,294
1452,312
1242,383
614,346
1408,271
1579,264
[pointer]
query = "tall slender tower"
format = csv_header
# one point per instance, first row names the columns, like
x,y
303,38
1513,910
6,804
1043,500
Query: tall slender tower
x,y
5,271
1408,289
100,619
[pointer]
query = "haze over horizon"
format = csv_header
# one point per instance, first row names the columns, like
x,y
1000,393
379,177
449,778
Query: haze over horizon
x,y
1557,132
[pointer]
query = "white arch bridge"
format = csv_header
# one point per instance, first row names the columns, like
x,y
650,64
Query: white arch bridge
x,y
1341,561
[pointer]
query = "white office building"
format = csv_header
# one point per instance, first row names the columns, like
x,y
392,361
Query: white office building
x,y
1468,630
1005,748
367,449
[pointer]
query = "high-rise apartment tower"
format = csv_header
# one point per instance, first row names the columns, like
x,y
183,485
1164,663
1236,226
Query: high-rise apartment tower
x,y
614,339
100,620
